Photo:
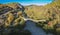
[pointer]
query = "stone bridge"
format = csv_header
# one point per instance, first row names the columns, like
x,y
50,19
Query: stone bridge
x,y
34,20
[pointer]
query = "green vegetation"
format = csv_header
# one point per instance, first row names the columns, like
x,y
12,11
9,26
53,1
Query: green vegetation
x,y
49,12
11,20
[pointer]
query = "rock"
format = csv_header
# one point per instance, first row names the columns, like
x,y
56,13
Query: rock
x,y
1,22
8,9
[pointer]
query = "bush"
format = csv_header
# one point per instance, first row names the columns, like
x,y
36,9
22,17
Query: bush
x,y
57,31
25,32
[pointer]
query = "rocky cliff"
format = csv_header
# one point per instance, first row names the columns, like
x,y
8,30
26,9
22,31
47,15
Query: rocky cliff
x,y
11,13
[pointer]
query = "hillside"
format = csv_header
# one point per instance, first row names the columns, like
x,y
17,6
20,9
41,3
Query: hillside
x,y
49,12
11,21
11,15
43,12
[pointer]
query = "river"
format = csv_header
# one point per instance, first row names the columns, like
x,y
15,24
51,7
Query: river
x,y
34,29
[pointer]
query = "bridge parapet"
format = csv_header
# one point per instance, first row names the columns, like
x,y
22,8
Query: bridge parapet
x,y
26,19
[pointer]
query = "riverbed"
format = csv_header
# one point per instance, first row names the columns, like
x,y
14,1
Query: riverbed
x,y
31,26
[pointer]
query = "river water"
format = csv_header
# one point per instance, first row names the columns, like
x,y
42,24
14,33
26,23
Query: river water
x,y
34,29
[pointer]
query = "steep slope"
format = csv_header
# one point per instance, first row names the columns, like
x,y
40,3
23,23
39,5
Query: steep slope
x,y
11,14
49,12
43,12
35,12
11,21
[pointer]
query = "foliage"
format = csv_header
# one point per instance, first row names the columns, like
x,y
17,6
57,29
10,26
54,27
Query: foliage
x,y
13,22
